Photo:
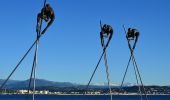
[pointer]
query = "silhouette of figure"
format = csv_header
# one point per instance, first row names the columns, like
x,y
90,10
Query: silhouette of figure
x,y
133,34
106,31
46,14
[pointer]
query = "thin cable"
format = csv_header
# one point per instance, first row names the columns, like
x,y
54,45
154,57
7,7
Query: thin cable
x,y
108,76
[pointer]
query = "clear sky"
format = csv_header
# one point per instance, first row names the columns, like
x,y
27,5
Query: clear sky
x,y
70,49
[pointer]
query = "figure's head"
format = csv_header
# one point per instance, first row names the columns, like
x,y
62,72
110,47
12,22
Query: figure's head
x,y
47,7
129,29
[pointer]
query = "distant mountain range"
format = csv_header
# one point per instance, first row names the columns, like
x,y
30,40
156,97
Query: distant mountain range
x,y
16,84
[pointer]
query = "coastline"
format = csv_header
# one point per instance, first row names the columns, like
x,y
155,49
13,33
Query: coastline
x,y
94,94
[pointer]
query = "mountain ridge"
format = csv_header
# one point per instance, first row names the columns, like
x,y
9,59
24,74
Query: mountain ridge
x,y
12,84
22,84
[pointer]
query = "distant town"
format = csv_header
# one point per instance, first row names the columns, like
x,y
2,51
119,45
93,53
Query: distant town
x,y
151,90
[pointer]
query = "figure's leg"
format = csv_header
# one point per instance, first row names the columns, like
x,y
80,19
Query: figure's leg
x,y
110,37
48,25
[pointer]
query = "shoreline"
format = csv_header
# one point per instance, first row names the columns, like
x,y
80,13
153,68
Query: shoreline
x,y
94,94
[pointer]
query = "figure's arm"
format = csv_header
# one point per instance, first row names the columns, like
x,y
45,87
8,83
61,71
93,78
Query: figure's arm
x,y
38,22
110,37
101,37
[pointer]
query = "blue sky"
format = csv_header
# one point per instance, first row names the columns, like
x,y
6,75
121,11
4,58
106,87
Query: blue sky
x,y
70,49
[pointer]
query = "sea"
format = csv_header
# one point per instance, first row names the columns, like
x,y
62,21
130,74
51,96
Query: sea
x,y
86,97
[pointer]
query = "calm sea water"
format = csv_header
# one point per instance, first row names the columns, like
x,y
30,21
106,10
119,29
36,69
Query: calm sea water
x,y
79,97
